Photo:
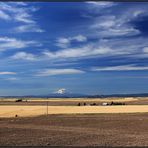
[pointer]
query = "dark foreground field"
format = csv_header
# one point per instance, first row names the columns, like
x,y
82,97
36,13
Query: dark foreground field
x,y
76,130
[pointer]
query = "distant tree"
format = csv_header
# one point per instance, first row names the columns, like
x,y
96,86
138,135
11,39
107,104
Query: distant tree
x,y
18,100
79,104
117,103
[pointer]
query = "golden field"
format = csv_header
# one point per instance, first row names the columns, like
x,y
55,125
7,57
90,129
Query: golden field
x,y
38,106
24,111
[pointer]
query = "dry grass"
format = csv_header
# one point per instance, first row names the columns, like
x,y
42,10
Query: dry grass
x,y
73,99
86,100
24,111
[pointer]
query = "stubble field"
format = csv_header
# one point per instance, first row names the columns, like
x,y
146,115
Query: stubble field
x,y
68,124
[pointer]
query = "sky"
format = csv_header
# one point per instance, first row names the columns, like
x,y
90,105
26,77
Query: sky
x,y
77,47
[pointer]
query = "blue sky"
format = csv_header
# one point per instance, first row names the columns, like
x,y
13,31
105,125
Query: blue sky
x,y
80,47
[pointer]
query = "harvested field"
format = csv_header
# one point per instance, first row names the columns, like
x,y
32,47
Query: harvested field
x,y
70,125
76,130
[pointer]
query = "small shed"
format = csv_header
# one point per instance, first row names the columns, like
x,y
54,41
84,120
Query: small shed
x,y
104,104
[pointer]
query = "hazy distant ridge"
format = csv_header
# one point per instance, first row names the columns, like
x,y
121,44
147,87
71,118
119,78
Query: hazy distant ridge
x,y
66,95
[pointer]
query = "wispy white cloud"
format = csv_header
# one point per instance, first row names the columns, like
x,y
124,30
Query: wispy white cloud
x,y
16,12
4,15
108,26
25,18
28,28
111,25
79,38
129,47
7,73
101,4
65,42
22,13
82,52
70,54
108,23
20,3
13,43
130,67
50,72
12,79
145,50
24,56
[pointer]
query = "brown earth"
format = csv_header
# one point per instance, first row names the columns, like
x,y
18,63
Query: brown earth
x,y
76,130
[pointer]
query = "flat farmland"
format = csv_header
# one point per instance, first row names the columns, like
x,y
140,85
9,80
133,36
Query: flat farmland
x,y
76,130
28,111
68,124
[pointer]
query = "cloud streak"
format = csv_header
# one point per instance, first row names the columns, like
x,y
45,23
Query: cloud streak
x,y
7,43
7,73
22,13
28,28
50,72
24,56
86,51
130,67
65,42
100,4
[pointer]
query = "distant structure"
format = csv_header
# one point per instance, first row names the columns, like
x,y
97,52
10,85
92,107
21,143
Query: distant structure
x,y
112,103
104,104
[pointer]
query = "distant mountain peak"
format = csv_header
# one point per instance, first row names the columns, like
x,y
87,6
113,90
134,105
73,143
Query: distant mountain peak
x,y
60,91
